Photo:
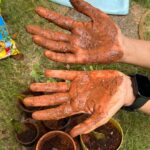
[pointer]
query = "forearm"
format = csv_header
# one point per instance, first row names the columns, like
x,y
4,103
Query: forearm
x,y
136,52
130,98
146,108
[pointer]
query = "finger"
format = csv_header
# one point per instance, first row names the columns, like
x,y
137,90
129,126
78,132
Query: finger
x,y
62,74
60,112
56,36
60,57
62,21
90,124
86,8
49,87
46,100
52,45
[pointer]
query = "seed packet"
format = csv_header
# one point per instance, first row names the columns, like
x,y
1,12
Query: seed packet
x,y
7,45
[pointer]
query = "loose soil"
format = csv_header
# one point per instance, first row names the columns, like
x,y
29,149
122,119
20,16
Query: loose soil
x,y
111,141
57,142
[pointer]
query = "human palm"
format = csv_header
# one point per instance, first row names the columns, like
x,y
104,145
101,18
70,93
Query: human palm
x,y
96,41
98,93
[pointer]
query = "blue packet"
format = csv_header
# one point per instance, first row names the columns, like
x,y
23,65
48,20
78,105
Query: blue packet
x,y
116,7
7,45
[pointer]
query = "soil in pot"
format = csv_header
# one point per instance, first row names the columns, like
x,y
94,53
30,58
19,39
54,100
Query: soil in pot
x,y
28,134
56,141
56,124
111,141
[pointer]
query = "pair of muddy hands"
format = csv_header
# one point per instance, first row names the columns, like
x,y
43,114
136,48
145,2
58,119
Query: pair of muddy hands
x,y
99,93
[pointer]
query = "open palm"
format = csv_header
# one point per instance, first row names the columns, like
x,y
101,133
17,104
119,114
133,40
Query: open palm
x,y
96,41
98,93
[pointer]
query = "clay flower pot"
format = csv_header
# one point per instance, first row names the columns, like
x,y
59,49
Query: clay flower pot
x,y
28,132
57,124
56,140
108,136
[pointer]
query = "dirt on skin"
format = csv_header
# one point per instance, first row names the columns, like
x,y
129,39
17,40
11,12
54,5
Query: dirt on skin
x,y
94,41
111,141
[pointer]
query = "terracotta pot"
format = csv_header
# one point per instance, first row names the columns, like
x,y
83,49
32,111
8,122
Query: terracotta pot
x,y
88,138
56,140
28,133
57,124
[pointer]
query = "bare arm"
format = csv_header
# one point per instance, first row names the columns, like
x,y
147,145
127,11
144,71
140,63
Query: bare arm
x,y
136,52
146,108
131,98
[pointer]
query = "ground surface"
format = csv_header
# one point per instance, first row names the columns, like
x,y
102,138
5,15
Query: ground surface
x,y
15,76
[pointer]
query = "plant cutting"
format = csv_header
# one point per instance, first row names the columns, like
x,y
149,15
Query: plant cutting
x,y
56,140
108,136
27,132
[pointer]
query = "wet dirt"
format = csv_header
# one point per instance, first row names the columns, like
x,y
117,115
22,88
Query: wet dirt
x,y
111,141
94,41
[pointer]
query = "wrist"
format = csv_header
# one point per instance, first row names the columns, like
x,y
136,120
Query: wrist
x,y
127,50
135,51
130,97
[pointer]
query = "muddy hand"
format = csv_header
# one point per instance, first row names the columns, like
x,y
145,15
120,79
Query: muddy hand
x,y
96,41
98,93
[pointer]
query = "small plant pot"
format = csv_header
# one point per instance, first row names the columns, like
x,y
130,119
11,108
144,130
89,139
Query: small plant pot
x,y
28,132
57,124
75,120
108,136
56,140
27,110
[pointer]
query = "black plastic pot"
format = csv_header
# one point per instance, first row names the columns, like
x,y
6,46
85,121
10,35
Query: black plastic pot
x,y
28,133
57,124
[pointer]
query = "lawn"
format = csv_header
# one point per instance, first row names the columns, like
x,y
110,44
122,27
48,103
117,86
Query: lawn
x,y
15,76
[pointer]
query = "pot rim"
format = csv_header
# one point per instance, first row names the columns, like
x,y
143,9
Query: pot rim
x,y
53,132
29,121
119,128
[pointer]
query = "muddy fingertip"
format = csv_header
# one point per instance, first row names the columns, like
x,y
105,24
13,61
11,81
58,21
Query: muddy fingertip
x,y
35,38
32,87
26,101
39,8
35,115
73,133
28,28
46,53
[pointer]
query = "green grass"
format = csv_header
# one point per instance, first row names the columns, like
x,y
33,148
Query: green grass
x,y
145,3
15,76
